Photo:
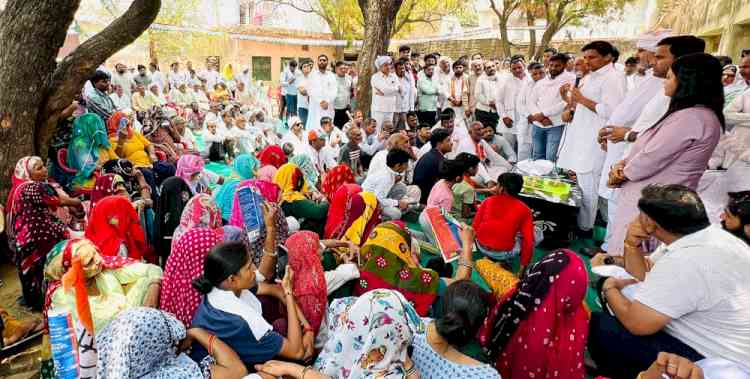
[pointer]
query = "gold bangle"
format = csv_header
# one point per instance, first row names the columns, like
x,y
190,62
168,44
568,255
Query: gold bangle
x,y
304,371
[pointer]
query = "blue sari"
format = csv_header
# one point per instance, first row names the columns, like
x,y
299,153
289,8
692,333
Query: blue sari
x,y
243,168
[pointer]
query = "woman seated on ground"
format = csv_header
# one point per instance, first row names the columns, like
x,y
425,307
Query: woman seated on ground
x,y
136,184
504,224
244,167
368,337
335,178
309,170
115,228
128,143
231,310
107,185
391,259
298,201
141,342
352,215
278,223
88,150
200,211
113,283
32,231
162,136
272,157
437,352
550,339
33,169
185,263
191,169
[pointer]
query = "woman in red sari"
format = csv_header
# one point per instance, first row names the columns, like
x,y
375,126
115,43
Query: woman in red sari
x,y
540,328
115,228
273,156
335,178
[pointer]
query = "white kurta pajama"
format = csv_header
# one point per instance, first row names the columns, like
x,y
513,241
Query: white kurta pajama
x,y
511,89
384,106
321,87
491,163
626,114
579,150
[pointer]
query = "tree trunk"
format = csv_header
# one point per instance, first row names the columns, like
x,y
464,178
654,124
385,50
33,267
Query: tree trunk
x,y
504,41
546,39
379,17
33,88
31,34
532,34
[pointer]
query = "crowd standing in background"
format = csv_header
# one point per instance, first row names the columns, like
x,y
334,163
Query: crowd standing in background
x,y
193,225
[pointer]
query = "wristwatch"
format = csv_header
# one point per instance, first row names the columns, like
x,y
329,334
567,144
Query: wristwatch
x,y
630,136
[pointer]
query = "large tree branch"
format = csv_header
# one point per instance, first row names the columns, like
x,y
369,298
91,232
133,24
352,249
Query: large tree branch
x,y
293,5
405,18
71,74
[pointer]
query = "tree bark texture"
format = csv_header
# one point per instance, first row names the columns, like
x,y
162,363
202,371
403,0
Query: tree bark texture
x,y
532,34
34,89
379,16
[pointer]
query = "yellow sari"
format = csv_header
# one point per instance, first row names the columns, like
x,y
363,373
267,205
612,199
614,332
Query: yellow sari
x,y
288,178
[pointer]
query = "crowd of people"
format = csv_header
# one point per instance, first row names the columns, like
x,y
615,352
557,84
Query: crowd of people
x,y
190,231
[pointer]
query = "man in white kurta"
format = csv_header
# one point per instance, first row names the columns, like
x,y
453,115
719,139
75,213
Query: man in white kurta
x,y
442,77
546,106
321,91
491,164
510,124
386,91
625,117
600,92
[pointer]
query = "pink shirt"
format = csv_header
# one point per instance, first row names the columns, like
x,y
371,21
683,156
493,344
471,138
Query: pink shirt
x,y
674,152
441,196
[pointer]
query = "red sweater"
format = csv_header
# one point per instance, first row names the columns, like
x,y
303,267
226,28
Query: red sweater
x,y
499,219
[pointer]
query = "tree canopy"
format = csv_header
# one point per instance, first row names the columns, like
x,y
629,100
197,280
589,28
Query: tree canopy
x,y
345,17
557,14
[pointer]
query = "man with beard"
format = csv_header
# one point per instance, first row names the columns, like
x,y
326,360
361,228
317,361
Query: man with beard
x,y
407,97
458,93
545,109
123,79
427,98
321,90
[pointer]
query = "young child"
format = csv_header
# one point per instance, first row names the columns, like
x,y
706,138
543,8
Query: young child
x,y
504,224
464,194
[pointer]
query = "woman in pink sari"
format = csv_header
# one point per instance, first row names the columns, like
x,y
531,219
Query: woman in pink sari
x,y
540,328
185,263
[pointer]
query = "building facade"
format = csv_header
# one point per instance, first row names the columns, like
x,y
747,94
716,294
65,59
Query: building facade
x,y
723,24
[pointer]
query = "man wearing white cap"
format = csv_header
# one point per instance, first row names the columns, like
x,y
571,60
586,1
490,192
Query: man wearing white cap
x,y
442,77
625,115
386,89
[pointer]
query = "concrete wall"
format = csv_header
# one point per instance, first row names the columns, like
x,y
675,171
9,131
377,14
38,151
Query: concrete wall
x,y
724,24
